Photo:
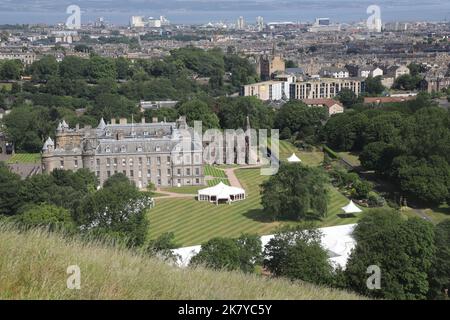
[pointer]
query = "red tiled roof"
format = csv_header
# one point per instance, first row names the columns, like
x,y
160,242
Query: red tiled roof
x,y
325,102
387,99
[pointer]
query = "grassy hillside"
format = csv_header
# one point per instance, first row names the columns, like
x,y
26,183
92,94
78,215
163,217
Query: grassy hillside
x,y
33,266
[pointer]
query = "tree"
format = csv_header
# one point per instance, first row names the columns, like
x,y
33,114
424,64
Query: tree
x,y
402,249
11,70
218,253
196,110
47,215
101,68
10,200
44,69
163,246
73,67
301,119
374,86
296,192
233,113
425,180
297,254
378,156
439,274
348,98
242,253
118,211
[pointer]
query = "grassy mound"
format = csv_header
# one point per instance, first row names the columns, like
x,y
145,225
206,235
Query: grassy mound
x,y
33,265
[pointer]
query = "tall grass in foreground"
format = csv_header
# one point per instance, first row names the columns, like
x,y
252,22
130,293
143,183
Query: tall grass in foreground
x,y
33,265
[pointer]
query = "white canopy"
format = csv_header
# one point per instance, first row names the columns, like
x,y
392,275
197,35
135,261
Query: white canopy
x,y
221,192
351,208
294,158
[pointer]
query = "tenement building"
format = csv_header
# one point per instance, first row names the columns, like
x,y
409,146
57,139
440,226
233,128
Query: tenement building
x,y
145,152
327,88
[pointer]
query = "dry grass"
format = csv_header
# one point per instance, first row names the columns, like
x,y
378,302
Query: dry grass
x,y
33,265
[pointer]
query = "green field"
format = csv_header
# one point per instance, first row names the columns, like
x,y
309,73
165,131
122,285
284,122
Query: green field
x,y
195,222
25,158
215,181
183,189
313,158
214,172
351,158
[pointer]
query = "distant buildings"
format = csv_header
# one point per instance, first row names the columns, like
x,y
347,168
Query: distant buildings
x,y
324,25
240,25
259,23
333,72
150,22
267,91
153,105
328,88
267,65
332,106
27,57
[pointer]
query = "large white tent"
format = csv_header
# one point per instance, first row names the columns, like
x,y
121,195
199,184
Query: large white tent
x,y
294,158
351,208
221,192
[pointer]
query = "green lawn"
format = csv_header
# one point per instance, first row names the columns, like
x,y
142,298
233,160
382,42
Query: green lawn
x,y
214,172
312,158
195,222
184,189
25,158
439,214
352,158
215,181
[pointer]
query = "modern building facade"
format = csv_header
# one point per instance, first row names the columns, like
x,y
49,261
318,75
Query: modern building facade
x,y
328,88
145,152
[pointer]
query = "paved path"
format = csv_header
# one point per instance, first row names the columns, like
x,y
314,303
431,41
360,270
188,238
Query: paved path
x,y
421,213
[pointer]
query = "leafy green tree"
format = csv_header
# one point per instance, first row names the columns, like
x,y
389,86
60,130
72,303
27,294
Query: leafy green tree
x,y
346,131
196,110
218,253
301,119
163,246
44,69
73,67
11,70
439,274
10,200
374,86
118,211
101,68
378,156
242,253
296,192
425,180
348,98
47,215
297,254
402,249
233,113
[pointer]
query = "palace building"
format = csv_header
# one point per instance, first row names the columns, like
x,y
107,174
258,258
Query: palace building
x,y
144,152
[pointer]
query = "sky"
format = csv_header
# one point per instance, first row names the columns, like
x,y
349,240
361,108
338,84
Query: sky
x,y
203,11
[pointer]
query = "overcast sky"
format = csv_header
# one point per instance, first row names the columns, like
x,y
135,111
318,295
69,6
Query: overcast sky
x,y
200,11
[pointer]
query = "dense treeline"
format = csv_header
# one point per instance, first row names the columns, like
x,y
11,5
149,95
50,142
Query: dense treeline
x,y
409,143
104,87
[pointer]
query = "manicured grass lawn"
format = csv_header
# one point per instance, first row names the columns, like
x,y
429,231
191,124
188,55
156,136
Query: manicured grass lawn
x,y
195,222
184,189
439,214
313,158
214,172
352,158
25,158
215,181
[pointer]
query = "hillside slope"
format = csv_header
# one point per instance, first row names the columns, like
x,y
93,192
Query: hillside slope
x,y
33,265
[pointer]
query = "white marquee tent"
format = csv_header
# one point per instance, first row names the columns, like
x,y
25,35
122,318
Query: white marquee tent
x,y
221,192
294,158
351,208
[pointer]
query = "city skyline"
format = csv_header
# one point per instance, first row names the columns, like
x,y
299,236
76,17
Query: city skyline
x,y
199,12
